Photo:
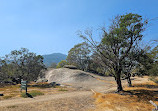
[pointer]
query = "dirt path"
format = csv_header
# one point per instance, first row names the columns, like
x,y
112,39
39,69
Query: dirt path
x,y
72,101
18,101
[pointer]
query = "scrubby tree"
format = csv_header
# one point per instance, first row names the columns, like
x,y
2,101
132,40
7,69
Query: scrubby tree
x,y
62,63
97,65
79,56
124,33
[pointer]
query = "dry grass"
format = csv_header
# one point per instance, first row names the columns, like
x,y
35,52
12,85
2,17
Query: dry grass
x,y
132,99
13,91
10,91
110,82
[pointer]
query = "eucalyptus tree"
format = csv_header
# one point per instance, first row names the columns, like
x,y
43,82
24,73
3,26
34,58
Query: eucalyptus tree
x,y
79,56
124,33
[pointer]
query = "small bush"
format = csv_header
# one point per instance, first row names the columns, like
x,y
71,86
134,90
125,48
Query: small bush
x,y
31,94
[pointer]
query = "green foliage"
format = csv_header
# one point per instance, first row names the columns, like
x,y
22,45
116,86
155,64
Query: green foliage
x,y
152,68
36,93
62,63
118,43
148,61
21,64
79,56
153,71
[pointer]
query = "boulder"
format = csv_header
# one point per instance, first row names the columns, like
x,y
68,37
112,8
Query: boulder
x,y
41,80
70,66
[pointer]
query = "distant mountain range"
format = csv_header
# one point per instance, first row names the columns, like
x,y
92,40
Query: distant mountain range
x,y
53,58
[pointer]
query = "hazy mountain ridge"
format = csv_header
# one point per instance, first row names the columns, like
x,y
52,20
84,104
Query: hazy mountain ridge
x,y
53,58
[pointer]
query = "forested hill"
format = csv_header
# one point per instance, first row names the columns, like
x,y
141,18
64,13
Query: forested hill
x,y
53,58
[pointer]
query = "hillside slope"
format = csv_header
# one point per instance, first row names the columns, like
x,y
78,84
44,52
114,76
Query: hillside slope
x,y
53,58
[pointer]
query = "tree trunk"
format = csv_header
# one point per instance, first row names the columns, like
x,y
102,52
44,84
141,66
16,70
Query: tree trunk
x,y
129,80
118,81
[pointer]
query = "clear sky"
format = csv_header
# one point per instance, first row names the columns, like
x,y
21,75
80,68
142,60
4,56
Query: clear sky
x,y
50,26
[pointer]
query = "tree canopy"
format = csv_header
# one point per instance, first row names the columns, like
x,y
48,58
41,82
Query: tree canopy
x,y
79,56
21,64
123,36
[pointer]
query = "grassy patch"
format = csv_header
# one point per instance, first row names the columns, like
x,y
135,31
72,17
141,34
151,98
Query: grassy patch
x,y
11,87
7,97
36,93
44,85
32,94
154,79
40,85
12,106
62,89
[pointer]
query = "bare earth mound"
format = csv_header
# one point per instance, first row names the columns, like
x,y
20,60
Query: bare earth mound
x,y
78,79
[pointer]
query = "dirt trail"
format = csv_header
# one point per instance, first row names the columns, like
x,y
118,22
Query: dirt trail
x,y
18,101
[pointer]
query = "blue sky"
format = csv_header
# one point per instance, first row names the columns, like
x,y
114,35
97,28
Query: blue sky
x,y
50,26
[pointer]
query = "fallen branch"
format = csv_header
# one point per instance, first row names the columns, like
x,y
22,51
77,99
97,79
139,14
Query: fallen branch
x,y
156,109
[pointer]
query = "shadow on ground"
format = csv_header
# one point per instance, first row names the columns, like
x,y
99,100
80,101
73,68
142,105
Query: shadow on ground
x,y
143,92
29,95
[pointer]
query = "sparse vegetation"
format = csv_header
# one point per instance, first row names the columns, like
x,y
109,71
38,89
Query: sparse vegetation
x,y
62,89
12,106
13,91
32,94
44,67
132,99
8,97
62,63
41,85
